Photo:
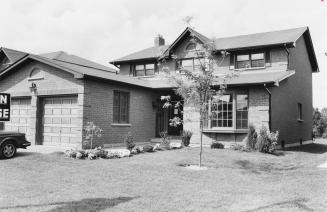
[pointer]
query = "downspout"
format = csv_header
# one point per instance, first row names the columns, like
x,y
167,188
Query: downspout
x,y
269,93
288,56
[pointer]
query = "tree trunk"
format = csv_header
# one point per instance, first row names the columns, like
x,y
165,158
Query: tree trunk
x,y
201,130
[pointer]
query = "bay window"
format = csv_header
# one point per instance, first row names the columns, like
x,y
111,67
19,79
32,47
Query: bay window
x,y
241,111
228,111
222,111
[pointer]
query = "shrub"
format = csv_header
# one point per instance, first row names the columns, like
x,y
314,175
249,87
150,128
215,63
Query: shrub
x,y
165,142
251,139
129,141
148,148
217,145
239,147
186,137
267,141
324,135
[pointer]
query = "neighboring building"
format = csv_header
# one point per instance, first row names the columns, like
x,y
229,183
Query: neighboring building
x,y
273,90
54,95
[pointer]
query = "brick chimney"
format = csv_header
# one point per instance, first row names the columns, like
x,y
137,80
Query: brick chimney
x,y
159,40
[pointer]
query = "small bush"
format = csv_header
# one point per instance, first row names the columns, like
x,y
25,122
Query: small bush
x,y
186,137
129,141
267,141
165,142
239,147
217,145
148,148
324,135
251,139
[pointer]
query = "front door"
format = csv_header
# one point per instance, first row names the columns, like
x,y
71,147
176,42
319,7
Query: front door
x,y
163,117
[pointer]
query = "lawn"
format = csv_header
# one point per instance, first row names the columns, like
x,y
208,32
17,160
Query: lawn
x,y
234,181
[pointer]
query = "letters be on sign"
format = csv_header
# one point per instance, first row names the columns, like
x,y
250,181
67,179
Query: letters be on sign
x,y
4,107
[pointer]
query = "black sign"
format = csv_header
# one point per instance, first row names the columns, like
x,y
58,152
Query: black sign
x,y
4,107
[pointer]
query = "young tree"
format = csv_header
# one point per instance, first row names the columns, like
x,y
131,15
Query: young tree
x,y
319,122
198,87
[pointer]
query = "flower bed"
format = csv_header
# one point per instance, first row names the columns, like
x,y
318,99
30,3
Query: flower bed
x,y
99,152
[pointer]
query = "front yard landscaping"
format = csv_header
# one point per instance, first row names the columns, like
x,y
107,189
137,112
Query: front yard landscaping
x,y
234,181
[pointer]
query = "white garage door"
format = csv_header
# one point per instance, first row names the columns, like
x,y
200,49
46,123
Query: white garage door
x,y
61,125
20,116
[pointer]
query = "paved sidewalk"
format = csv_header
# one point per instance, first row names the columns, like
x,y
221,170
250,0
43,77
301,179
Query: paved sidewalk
x,y
44,149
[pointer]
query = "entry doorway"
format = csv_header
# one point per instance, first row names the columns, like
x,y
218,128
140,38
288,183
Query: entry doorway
x,y
164,115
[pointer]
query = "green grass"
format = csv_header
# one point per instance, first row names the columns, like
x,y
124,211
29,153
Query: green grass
x,y
235,181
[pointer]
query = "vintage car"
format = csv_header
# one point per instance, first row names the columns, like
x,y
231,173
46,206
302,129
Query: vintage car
x,y
10,142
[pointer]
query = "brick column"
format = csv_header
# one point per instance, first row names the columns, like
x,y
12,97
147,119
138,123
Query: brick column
x,y
258,108
191,119
33,117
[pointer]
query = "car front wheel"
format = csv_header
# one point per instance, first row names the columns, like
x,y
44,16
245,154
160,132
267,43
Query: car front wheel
x,y
7,150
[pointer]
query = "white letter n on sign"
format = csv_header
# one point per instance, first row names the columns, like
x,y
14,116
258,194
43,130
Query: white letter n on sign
x,y
3,99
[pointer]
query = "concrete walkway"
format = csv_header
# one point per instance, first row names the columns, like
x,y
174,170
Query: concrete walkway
x,y
44,149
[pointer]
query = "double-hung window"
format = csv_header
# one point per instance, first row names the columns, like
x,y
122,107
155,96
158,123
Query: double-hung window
x,y
144,70
242,111
247,61
192,64
121,107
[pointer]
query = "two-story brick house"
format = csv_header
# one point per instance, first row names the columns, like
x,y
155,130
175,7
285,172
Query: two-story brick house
x,y
54,95
274,88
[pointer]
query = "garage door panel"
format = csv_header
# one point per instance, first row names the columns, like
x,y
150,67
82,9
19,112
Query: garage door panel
x,y
59,121
20,116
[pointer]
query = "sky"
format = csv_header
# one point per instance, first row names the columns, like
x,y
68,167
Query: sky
x,y
103,30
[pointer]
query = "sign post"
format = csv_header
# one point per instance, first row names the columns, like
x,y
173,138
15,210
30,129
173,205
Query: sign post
x,y
4,107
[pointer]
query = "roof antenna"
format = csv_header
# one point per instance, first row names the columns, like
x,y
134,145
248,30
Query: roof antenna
x,y
187,20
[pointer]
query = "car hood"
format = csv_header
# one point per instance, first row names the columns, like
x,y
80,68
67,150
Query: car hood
x,y
11,133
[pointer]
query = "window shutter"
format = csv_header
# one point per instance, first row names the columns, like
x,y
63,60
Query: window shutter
x,y
232,61
267,58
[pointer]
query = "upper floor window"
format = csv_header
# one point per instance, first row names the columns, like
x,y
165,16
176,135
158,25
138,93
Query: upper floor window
x,y
192,64
254,60
190,47
144,70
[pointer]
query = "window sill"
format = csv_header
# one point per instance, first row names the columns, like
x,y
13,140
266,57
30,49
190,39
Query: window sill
x,y
121,125
249,69
148,76
300,120
225,130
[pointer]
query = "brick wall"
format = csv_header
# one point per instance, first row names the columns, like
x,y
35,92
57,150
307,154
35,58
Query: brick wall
x,y
294,90
98,108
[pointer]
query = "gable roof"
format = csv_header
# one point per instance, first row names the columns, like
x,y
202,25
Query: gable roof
x,y
286,38
13,55
66,59
70,63
145,54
